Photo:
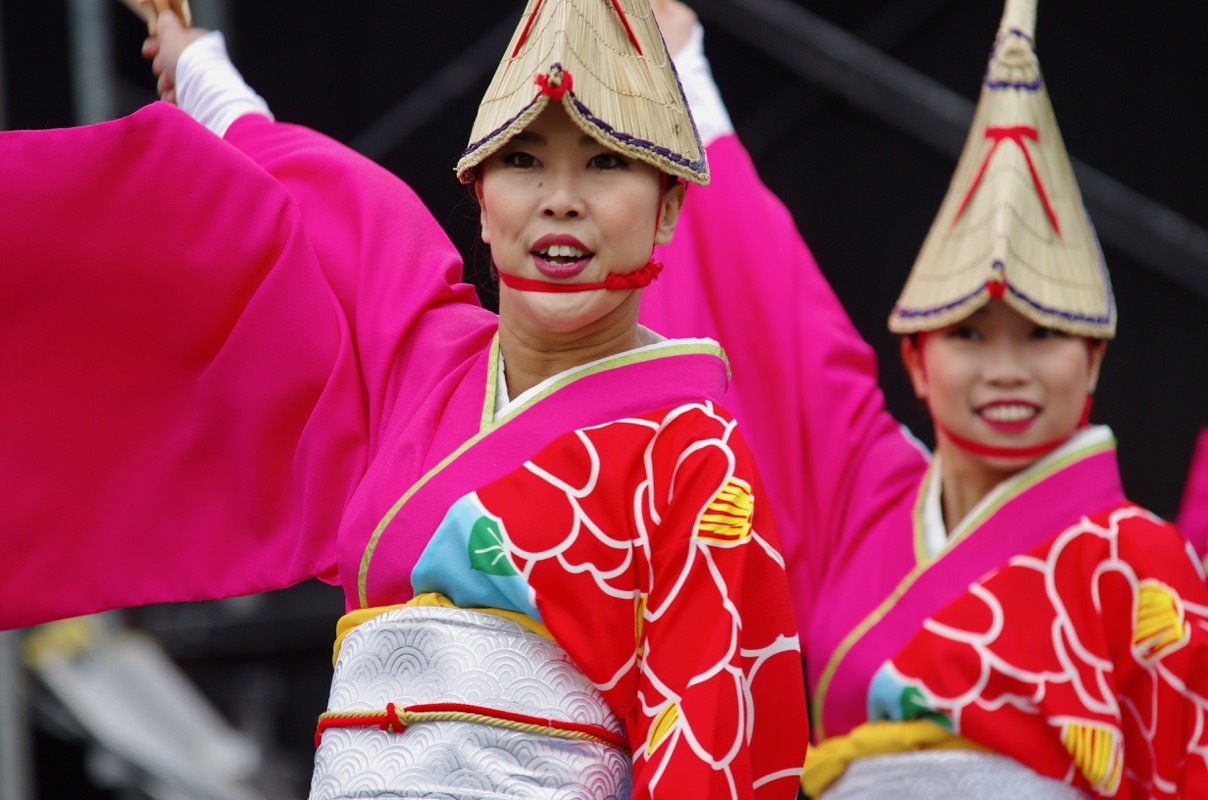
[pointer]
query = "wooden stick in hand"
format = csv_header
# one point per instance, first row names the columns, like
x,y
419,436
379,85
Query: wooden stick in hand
x,y
148,10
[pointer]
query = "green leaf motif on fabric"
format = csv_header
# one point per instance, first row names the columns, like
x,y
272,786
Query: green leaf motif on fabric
x,y
486,549
914,706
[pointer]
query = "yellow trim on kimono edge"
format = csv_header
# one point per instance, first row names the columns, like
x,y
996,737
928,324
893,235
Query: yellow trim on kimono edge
x,y
826,761
1007,491
1000,495
488,425
488,401
649,352
359,616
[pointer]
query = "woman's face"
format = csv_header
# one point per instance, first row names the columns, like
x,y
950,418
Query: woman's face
x,y
558,206
999,380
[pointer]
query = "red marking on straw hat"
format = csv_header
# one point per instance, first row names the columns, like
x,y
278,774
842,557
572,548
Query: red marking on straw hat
x,y
1015,133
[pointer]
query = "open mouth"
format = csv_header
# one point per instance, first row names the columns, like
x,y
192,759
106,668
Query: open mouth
x,y
561,260
1013,412
1009,417
562,254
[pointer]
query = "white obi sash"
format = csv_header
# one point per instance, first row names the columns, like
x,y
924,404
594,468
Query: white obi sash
x,y
417,656
946,775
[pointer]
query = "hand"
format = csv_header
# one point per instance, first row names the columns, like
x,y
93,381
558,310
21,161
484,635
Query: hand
x,y
164,49
676,22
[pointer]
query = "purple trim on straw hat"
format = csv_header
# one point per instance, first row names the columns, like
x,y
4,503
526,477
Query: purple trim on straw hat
x,y
698,166
1105,319
500,129
1029,86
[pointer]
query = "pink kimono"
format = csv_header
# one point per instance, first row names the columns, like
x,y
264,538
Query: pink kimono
x,y
281,376
892,632
1193,511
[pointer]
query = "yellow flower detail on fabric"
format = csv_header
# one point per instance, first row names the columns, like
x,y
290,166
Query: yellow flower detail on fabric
x,y
639,622
1098,753
727,520
663,725
1159,626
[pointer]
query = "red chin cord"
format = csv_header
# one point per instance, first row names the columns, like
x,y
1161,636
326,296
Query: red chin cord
x,y
993,451
638,279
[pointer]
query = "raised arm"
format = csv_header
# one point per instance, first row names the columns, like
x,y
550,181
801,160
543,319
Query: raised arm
x,y
804,383
395,273
181,416
199,363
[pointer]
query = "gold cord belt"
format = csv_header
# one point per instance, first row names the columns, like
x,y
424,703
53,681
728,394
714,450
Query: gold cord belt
x,y
392,718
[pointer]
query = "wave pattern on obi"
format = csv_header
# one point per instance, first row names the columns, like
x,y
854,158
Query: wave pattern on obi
x,y
425,655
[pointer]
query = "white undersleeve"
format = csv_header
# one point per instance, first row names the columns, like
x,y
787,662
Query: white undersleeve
x,y
708,110
210,89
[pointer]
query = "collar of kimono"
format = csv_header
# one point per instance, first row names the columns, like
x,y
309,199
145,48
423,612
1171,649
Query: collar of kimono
x,y
613,281
1022,513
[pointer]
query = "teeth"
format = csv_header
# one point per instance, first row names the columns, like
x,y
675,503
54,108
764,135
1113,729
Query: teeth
x,y
562,251
1008,413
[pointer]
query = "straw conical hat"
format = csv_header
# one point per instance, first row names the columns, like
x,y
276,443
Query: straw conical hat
x,y
605,61
1012,224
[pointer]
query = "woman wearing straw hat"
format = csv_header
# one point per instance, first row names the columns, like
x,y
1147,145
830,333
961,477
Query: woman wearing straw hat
x,y
561,572
997,620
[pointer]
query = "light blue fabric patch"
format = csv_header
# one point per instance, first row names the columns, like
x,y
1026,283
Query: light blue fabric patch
x,y
467,561
889,698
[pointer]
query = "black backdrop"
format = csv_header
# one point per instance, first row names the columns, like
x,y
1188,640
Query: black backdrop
x,y
1126,81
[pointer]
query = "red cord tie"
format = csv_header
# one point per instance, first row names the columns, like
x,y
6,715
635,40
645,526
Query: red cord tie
x,y
392,722
638,279
996,288
556,83
1004,451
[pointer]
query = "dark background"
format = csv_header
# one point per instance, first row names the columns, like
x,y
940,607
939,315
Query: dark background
x,y
862,172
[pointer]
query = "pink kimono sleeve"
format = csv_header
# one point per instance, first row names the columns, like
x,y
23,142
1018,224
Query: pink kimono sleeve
x,y
1193,512
177,373
804,384
393,270
184,414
